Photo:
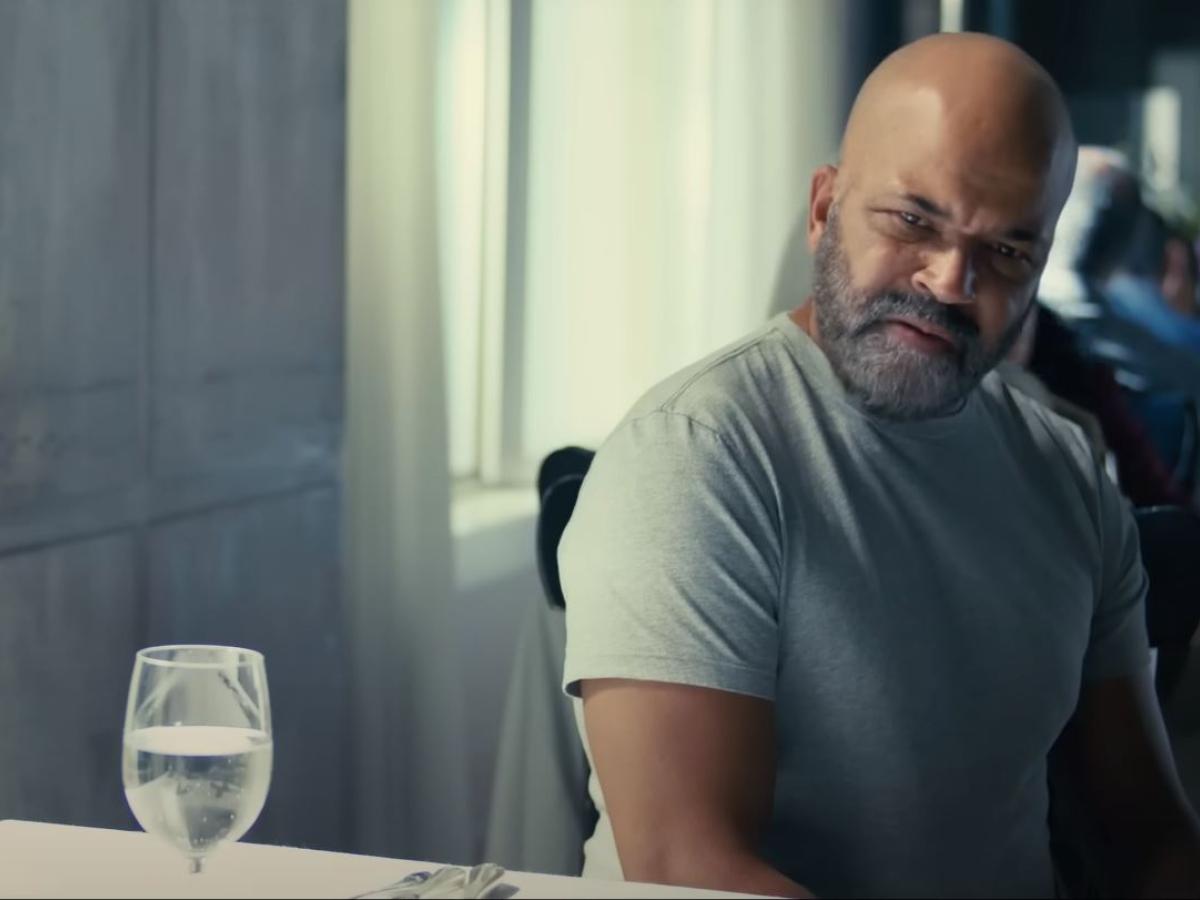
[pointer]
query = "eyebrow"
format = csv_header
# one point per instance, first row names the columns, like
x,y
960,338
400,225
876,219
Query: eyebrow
x,y
926,205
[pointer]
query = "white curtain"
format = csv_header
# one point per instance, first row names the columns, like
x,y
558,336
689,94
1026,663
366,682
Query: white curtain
x,y
408,740
670,148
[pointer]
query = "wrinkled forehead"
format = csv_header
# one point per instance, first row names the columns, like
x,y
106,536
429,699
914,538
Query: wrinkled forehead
x,y
978,163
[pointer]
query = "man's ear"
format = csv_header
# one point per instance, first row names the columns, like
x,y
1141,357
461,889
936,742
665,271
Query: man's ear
x,y
820,199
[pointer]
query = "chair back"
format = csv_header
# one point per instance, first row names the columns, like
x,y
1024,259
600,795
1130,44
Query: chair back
x,y
559,479
1170,542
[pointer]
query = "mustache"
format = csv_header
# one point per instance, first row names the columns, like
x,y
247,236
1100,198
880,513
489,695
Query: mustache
x,y
916,306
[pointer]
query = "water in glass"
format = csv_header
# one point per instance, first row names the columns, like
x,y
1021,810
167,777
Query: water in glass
x,y
198,747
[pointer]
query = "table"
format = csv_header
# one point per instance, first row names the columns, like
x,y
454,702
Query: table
x,y
43,860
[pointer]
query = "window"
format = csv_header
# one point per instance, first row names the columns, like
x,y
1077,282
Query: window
x,y
618,183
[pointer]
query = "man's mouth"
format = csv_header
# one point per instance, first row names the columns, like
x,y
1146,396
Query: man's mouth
x,y
921,335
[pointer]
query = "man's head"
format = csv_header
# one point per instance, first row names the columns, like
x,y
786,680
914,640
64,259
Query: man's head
x,y
931,232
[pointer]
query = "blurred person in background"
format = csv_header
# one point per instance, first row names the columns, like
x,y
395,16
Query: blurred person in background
x,y
1181,272
1153,289
1154,285
1097,279
1084,388
1107,338
834,592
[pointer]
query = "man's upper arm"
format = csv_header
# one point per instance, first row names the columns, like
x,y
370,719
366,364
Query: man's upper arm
x,y
671,563
1116,753
1118,644
687,773
671,570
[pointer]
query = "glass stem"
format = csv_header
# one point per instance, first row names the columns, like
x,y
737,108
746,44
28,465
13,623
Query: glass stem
x,y
197,863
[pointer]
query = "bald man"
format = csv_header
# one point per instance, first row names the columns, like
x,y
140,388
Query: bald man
x,y
834,592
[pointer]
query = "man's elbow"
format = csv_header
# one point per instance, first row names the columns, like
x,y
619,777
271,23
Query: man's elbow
x,y
660,866
700,863
1171,869
670,856
664,863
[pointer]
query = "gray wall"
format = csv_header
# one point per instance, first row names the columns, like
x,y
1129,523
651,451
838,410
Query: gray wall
x,y
171,323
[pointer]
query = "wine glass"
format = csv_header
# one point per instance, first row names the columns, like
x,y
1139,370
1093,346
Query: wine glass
x,y
197,750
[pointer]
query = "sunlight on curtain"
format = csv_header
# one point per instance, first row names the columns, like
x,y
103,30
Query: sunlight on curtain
x,y
671,145
410,750
461,116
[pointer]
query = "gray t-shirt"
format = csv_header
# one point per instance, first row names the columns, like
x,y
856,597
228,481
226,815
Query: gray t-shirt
x,y
921,601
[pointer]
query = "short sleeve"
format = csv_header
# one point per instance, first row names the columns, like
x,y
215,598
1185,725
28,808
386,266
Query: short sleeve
x,y
1118,644
670,563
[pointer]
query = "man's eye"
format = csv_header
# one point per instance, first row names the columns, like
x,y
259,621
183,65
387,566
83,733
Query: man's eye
x,y
1010,252
911,219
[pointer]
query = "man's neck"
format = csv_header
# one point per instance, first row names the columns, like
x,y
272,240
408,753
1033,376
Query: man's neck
x,y
803,316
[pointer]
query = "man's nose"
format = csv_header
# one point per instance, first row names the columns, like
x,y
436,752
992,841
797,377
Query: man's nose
x,y
948,275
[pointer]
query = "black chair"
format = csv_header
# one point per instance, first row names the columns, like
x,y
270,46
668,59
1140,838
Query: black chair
x,y
559,479
1170,542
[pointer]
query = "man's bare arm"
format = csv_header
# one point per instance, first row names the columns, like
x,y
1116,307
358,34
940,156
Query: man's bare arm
x,y
688,776
1117,748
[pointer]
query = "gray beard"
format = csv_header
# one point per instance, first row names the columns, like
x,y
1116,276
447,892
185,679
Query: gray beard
x,y
888,379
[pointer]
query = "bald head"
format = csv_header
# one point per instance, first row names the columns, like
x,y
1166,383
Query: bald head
x,y
932,231
970,101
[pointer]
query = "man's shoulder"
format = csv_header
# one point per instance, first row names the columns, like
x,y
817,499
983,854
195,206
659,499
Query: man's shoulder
x,y
1029,419
726,389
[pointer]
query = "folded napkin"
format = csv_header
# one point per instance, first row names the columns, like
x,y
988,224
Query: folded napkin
x,y
449,881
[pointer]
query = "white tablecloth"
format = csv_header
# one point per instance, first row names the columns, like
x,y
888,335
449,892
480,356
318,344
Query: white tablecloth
x,y
41,860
